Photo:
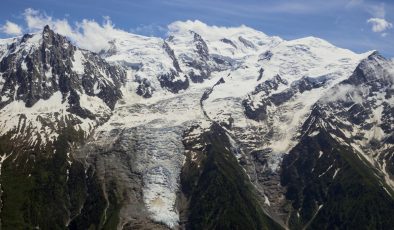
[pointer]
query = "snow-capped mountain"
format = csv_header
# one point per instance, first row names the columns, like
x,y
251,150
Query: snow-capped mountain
x,y
46,82
210,128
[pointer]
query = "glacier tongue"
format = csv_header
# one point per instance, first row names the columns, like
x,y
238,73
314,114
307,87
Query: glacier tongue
x,y
150,132
160,154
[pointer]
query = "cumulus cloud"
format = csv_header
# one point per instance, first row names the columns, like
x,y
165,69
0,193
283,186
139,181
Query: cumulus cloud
x,y
94,36
379,24
11,28
35,20
87,34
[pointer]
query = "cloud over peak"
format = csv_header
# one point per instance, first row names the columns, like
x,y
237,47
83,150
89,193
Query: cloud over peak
x,y
11,28
87,34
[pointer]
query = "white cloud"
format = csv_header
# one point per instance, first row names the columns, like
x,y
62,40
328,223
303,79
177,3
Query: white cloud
x,y
35,20
11,28
87,34
379,24
93,36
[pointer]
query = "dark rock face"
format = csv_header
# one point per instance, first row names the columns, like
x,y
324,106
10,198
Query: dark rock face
x,y
388,114
171,54
246,42
208,92
261,72
201,46
198,77
202,69
266,56
173,83
307,83
228,41
144,88
265,88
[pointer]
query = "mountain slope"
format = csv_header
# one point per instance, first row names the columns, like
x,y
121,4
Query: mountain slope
x,y
209,172
52,96
209,128
336,175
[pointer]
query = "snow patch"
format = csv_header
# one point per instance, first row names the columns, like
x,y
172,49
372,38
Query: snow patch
x,y
335,173
320,154
79,60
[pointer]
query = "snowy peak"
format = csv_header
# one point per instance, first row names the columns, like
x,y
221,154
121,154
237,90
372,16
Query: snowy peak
x,y
361,110
46,69
373,68
40,64
212,33
223,41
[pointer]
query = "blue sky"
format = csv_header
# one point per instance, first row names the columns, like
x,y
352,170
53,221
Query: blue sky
x,y
359,25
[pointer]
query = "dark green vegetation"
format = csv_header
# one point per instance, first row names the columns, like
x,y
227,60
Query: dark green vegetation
x,y
36,190
40,188
91,215
218,191
347,189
